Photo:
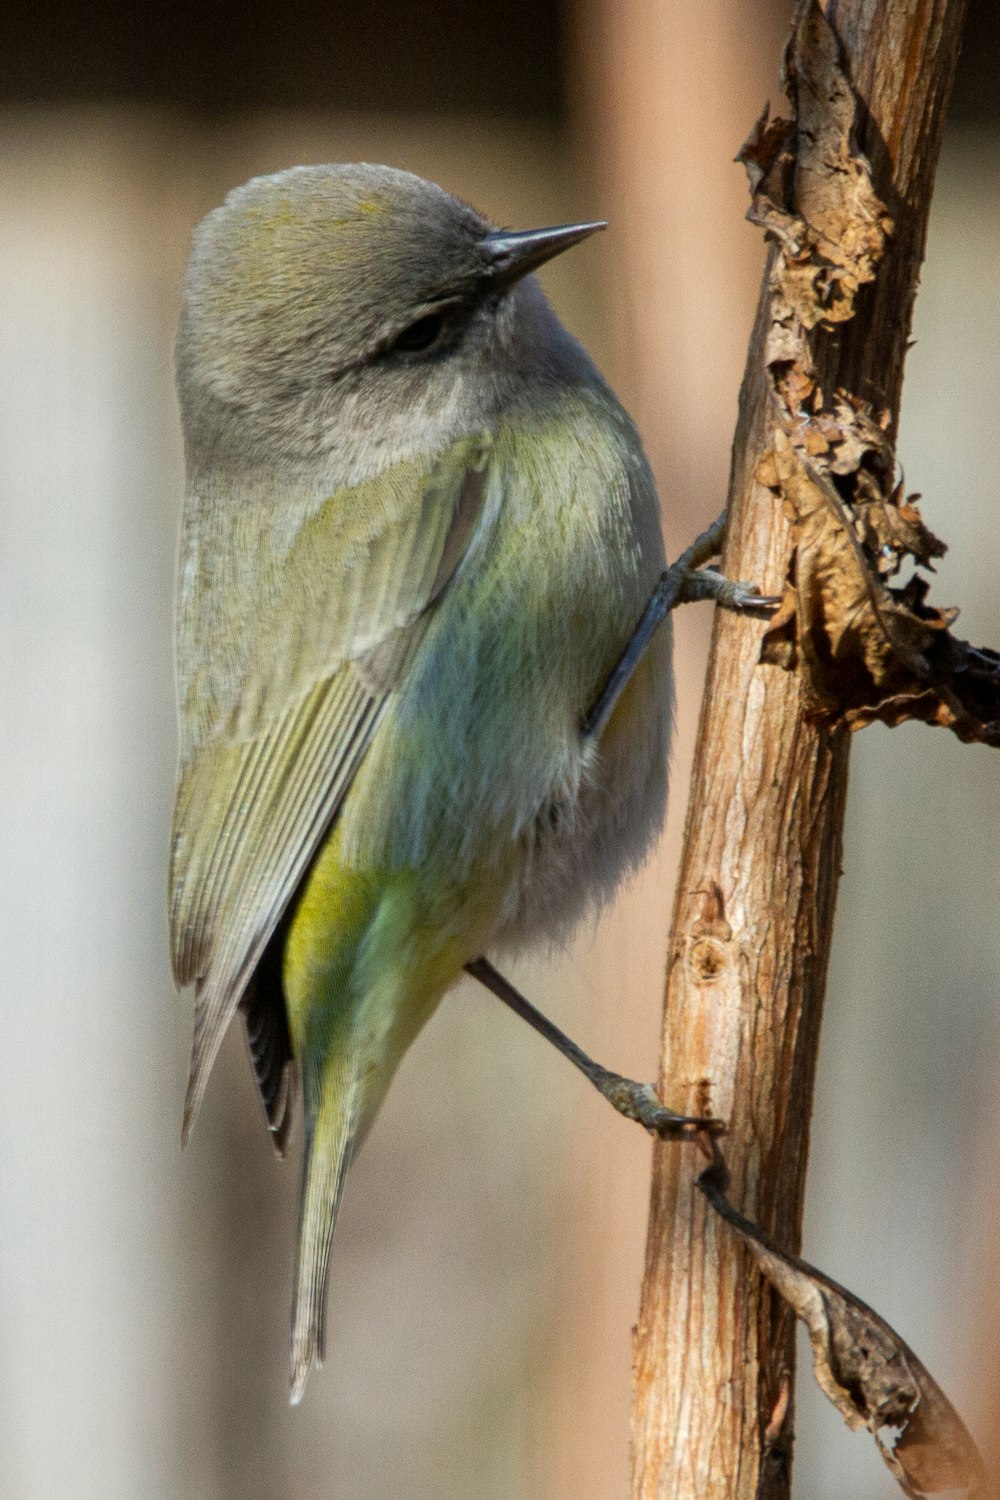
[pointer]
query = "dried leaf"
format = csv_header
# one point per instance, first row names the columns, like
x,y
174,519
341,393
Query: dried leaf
x,y
767,144
768,156
856,639
866,650
814,441
811,190
894,530
863,1366
859,443
766,473
848,223
779,647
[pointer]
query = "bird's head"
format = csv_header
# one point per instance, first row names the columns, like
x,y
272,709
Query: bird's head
x,y
327,300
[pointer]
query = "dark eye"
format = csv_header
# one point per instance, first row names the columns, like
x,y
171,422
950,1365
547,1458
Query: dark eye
x,y
421,334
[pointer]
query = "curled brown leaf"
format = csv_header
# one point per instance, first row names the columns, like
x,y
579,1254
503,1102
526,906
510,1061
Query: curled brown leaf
x,y
867,1371
866,650
857,640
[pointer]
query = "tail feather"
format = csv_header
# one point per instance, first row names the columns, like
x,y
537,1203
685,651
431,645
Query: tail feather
x,y
266,1026
329,1140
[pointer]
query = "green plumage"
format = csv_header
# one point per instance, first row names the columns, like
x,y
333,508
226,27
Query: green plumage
x,y
405,574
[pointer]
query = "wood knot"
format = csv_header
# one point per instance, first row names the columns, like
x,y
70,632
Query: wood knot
x,y
711,934
708,959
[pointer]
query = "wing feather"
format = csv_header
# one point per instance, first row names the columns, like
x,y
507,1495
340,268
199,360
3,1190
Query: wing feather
x,y
270,752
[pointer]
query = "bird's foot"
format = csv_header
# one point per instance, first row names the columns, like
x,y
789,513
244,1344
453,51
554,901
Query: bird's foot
x,y
708,583
688,580
640,1102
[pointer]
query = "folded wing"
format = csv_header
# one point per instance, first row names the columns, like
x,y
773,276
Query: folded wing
x,y
292,635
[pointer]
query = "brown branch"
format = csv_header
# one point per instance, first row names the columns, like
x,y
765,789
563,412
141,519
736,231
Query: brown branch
x,y
754,909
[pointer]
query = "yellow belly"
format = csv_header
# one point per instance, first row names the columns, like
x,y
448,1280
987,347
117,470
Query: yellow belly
x,y
368,956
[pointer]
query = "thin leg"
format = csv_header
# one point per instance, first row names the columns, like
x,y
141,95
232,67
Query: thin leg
x,y
636,1101
684,582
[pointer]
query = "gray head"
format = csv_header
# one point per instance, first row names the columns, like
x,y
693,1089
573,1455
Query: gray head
x,y
328,304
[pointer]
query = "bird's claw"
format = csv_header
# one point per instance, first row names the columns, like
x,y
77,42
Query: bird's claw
x,y
728,593
640,1102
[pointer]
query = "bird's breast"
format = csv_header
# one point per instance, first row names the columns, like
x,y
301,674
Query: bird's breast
x,y
480,769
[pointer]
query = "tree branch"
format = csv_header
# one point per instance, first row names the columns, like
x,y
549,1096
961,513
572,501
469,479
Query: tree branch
x,y
846,196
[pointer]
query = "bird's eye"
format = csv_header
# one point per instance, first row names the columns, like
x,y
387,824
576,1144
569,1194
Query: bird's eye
x,y
421,334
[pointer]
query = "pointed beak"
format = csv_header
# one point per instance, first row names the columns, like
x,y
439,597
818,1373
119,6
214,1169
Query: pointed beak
x,y
512,254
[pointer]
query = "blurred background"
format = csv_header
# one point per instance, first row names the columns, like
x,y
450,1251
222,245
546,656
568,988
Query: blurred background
x,y
487,1261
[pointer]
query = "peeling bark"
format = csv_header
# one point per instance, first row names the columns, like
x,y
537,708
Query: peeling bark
x,y
867,650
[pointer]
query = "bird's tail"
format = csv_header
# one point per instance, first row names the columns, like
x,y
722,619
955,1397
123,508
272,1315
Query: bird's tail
x,y
330,1133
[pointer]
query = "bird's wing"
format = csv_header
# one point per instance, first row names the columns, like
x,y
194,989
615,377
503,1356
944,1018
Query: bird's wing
x,y
290,640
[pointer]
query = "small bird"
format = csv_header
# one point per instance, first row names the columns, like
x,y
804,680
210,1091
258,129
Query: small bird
x,y
418,532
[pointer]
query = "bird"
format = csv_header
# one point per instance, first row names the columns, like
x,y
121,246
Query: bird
x,y
418,531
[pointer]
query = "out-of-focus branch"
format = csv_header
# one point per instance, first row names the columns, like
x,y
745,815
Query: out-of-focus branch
x,y
869,81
